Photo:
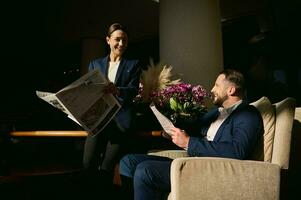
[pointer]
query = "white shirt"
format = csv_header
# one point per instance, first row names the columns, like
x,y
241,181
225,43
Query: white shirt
x,y
224,113
113,67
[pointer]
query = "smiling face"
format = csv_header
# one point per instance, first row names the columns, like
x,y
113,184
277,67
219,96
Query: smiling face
x,y
118,42
220,90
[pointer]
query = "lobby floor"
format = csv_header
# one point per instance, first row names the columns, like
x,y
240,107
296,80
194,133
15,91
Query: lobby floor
x,y
60,186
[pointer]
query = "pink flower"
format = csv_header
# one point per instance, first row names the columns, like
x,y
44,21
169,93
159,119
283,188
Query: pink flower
x,y
182,98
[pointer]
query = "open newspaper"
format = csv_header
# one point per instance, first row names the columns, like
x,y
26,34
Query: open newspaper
x,y
85,102
166,124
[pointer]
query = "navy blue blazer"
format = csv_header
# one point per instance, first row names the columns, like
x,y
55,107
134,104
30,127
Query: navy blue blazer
x,y
127,81
236,137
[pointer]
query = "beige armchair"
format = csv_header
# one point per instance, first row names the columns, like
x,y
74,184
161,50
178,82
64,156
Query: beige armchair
x,y
221,178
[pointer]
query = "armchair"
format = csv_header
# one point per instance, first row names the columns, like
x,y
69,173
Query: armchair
x,y
223,178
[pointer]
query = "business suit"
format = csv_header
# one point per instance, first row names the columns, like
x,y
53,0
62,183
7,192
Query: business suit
x,y
229,143
235,138
104,148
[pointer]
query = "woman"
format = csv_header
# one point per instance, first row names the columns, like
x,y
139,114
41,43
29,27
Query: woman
x,y
103,150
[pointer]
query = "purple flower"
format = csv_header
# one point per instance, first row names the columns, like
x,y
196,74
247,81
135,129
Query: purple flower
x,y
181,98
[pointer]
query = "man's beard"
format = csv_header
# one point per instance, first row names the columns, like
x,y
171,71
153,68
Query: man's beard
x,y
219,100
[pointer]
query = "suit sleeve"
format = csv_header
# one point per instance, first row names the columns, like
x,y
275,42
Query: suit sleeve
x,y
129,89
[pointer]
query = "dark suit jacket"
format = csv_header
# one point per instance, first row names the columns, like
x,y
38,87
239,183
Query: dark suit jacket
x,y
236,137
127,80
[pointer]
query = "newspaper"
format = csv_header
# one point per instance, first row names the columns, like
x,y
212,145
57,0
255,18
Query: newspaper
x,y
85,102
166,124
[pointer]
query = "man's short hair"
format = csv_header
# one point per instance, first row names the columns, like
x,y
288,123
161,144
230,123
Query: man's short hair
x,y
236,78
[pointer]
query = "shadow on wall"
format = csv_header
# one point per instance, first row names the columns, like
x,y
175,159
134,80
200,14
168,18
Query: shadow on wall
x,y
263,57
294,173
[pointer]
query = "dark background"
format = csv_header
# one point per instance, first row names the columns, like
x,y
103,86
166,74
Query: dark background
x,y
42,49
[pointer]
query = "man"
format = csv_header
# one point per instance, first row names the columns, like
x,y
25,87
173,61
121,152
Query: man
x,y
230,130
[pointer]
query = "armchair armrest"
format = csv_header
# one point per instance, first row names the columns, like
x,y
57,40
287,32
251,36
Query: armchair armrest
x,y
169,153
220,178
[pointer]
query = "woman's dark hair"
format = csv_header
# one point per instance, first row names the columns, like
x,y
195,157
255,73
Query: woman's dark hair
x,y
237,79
115,27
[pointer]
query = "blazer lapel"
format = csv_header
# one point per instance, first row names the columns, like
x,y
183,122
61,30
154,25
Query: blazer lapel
x,y
221,128
121,67
207,119
105,66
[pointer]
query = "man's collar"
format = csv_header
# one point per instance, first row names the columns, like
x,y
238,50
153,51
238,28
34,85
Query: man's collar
x,y
230,109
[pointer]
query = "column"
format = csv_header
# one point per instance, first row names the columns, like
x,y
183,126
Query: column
x,y
191,39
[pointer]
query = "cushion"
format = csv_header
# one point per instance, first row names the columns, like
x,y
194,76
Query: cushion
x,y
263,150
285,111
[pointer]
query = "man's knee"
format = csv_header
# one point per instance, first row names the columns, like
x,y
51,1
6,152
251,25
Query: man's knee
x,y
143,173
129,163
125,166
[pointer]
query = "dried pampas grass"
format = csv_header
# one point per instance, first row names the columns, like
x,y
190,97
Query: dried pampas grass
x,y
156,77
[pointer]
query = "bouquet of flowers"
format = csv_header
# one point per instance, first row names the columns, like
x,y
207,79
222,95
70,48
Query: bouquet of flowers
x,y
153,79
182,102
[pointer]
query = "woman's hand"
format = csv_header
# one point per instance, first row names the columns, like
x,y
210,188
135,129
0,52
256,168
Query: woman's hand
x,y
180,138
111,88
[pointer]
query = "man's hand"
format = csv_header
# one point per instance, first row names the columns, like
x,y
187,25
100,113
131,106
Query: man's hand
x,y
111,88
180,138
